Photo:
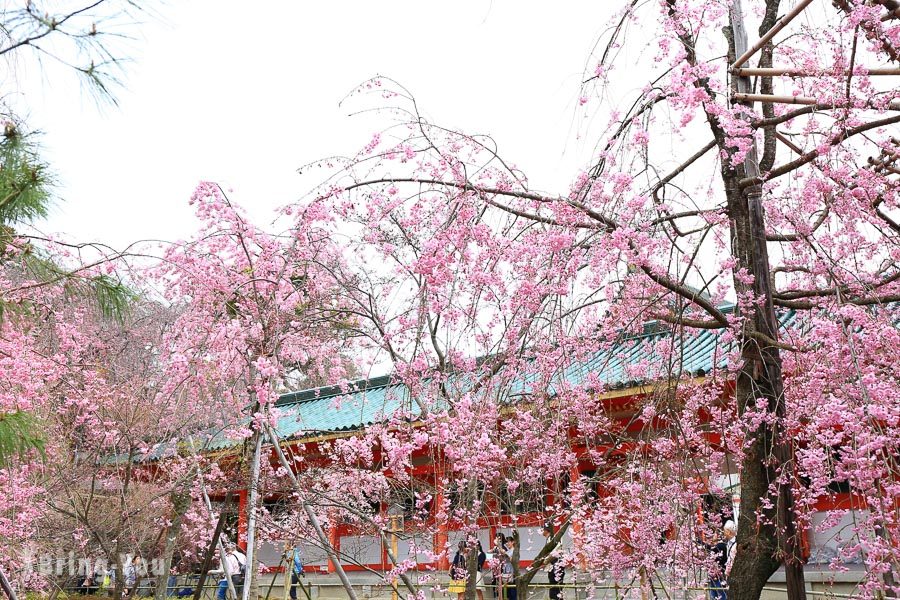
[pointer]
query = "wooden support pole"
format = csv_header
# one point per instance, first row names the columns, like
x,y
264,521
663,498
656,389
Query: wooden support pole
x,y
208,503
311,515
884,166
792,72
207,559
782,22
250,567
802,100
7,586
886,158
772,99
781,138
275,574
286,592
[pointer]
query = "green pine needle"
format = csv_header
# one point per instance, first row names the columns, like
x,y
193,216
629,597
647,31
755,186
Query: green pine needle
x,y
19,434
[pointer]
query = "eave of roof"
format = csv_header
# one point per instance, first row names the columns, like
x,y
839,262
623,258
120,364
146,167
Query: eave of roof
x,y
317,413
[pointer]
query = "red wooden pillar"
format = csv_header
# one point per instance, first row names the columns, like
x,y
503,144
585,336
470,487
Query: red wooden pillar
x,y
243,514
439,541
334,538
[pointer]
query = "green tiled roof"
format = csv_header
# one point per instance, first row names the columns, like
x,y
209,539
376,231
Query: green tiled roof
x,y
340,409
358,404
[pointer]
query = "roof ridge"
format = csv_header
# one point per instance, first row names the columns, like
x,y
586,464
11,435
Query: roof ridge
x,y
329,391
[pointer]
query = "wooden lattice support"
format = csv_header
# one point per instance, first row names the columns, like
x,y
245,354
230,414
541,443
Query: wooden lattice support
x,y
885,163
790,72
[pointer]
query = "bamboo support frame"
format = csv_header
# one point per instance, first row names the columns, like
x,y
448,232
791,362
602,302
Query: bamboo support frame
x,y
803,100
310,514
209,508
886,160
781,24
792,72
884,167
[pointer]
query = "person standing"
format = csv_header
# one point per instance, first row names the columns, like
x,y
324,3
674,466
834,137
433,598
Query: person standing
x,y
556,573
459,571
479,573
233,563
107,580
132,571
296,562
730,544
498,552
718,589
504,578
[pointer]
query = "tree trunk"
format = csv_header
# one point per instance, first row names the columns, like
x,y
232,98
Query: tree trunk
x,y
181,502
524,579
760,377
123,505
472,571
760,542
767,451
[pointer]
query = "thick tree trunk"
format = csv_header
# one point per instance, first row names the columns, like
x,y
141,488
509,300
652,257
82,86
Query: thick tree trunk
x,y
760,542
766,527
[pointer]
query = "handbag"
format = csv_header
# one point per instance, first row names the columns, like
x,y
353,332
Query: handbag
x,y
457,586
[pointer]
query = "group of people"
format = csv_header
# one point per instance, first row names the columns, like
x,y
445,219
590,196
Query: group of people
x,y
104,580
501,568
235,564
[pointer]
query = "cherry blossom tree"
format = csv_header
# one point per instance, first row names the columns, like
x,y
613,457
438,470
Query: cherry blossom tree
x,y
255,309
113,476
768,218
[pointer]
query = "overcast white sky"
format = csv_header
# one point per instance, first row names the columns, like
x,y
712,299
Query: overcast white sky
x,y
244,96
